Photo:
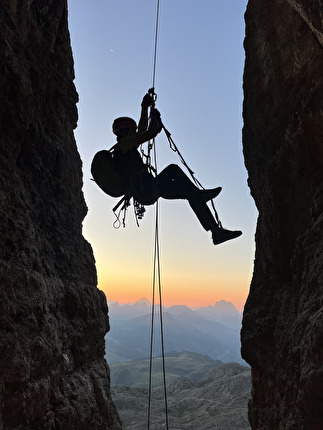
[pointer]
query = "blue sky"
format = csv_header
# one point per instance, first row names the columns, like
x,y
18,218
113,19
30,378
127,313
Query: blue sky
x,y
199,86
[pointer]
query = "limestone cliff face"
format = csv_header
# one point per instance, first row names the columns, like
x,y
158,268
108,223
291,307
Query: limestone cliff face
x,y
282,335
52,316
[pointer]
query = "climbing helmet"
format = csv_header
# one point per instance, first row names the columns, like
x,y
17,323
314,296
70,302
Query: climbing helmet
x,y
123,122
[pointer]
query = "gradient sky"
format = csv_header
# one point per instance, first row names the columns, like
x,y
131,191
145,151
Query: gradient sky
x,y
199,87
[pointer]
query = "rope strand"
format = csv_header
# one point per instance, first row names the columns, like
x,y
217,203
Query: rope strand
x,y
162,333
157,272
157,251
156,264
151,340
155,44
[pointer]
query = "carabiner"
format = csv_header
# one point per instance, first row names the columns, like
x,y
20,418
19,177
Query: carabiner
x,y
152,92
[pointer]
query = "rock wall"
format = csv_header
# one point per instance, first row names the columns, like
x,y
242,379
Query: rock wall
x,y
52,317
282,334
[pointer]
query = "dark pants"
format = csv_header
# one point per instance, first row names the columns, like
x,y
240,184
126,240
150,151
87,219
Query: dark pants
x,y
172,183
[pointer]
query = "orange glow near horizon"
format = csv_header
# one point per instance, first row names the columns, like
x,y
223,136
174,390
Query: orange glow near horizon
x,y
188,277
189,293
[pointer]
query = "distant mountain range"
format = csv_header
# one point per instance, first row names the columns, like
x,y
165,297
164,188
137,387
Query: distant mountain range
x,y
222,312
217,400
212,331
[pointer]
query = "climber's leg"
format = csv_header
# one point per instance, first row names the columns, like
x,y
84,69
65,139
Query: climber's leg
x,y
220,235
203,214
172,183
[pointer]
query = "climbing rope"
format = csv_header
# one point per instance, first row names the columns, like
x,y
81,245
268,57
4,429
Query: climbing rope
x,y
156,43
157,280
156,267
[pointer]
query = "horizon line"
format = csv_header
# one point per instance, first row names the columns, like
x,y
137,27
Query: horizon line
x,y
144,299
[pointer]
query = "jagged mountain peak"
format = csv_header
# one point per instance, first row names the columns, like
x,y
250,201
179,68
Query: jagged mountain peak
x,y
142,301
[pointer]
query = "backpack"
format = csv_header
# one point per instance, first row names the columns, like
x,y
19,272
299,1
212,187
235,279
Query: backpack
x,y
112,183
105,175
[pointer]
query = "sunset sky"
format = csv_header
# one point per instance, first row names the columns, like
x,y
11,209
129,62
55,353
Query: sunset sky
x,y
199,87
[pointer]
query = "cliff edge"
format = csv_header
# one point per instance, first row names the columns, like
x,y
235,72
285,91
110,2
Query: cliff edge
x,y
52,317
282,334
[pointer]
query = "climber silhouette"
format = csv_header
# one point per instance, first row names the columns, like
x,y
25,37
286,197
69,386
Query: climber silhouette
x,y
171,183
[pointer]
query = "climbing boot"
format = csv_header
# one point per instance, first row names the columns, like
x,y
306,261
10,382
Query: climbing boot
x,y
210,194
221,235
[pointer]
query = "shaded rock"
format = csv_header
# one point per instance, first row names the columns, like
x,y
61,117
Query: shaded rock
x,y
52,317
282,333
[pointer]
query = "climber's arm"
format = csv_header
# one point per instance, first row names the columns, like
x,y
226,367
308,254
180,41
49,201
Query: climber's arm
x,y
143,121
133,141
147,101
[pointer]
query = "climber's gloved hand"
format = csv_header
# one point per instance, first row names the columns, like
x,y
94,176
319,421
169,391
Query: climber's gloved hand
x,y
148,100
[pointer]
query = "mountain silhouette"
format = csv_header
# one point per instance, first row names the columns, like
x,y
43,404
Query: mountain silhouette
x,y
185,330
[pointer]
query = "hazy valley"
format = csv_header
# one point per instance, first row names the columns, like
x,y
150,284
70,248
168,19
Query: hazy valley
x,y
217,401
208,384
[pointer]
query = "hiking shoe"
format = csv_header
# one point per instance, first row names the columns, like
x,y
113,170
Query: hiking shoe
x,y
210,194
221,235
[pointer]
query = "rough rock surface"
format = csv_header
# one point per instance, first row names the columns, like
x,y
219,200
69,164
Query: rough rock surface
x,y
52,317
218,402
282,334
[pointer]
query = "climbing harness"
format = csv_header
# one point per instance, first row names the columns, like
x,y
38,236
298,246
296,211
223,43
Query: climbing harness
x,y
125,202
139,211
